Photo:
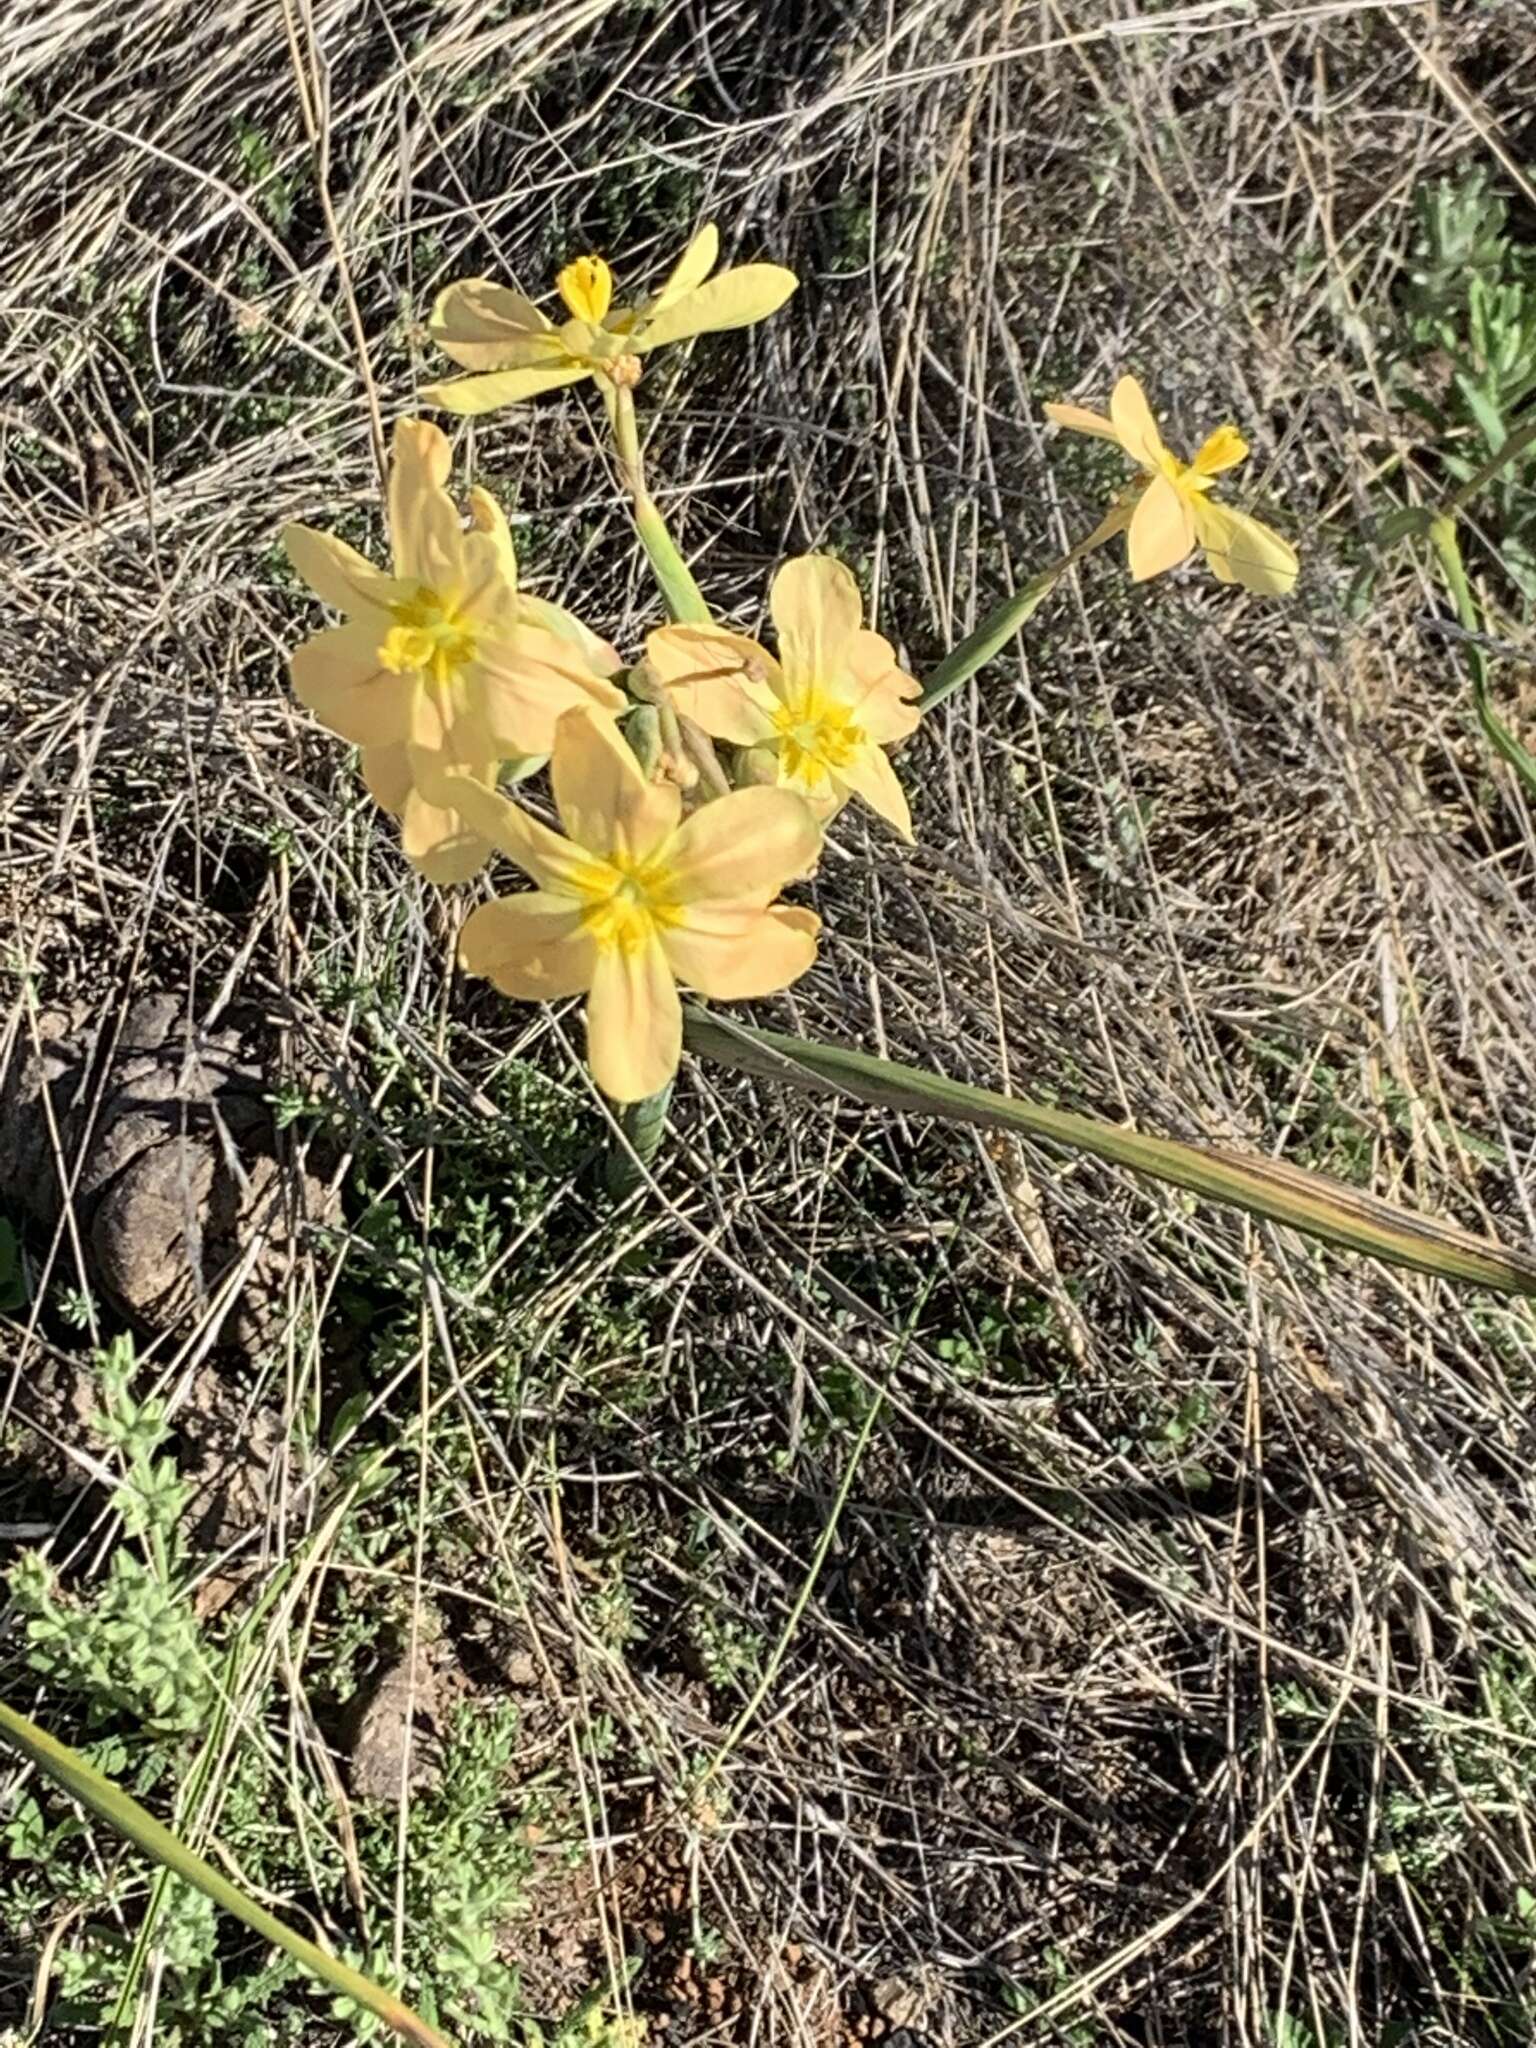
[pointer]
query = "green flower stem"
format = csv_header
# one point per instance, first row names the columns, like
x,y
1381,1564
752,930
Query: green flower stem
x,y
999,626
82,1781
1271,1188
683,597
644,1124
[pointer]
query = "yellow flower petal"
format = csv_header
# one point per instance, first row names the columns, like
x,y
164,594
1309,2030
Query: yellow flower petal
x,y
479,591
1161,532
487,517
439,842
690,270
533,947
600,656
1080,421
1135,428
484,326
605,803
440,750
816,612
423,520
469,396
733,959
386,775
544,856
338,676
716,678
587,289
733,299
634,1022
338,575
869,774
579,340
1243,550
1222,449
524,682
743,848
882,694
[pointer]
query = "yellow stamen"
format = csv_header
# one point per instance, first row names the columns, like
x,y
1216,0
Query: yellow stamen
x,y
626,902
587,288
427,638
817,735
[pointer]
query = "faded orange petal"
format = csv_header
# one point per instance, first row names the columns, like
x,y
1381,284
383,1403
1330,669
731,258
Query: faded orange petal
x,y
1161,532
604,801
338,675
816,612
742,848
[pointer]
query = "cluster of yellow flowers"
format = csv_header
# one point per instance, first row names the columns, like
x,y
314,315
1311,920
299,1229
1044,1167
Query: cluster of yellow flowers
x,y
443,670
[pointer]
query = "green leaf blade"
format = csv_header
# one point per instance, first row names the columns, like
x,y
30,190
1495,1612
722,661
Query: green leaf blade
x,y
1272,1188
82,1781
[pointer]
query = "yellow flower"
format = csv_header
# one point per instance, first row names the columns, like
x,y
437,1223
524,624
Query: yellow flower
x,y
635,899
442,667
821,715
486,327
1173,511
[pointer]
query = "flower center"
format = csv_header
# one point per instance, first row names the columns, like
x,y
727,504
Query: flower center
x,y
1183,475
817,735
428,638
626,902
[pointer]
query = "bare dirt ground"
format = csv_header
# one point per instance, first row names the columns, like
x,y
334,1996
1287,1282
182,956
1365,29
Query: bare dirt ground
x,y
1162,1670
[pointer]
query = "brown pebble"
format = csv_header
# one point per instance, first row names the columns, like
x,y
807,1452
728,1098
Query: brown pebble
x,y
654,1933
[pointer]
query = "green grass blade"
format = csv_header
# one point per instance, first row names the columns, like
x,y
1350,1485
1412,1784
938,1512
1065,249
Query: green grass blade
x,y
1442,534
1308,1202
110,1803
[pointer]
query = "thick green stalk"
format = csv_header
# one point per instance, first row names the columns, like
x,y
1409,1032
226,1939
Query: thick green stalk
x,y
82,1781
1271,1188
683,597
644,1124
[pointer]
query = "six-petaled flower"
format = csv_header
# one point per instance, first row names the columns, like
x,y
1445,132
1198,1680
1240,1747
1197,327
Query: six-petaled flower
x,y
819,717
635,898
1171,511
519,352
442,668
